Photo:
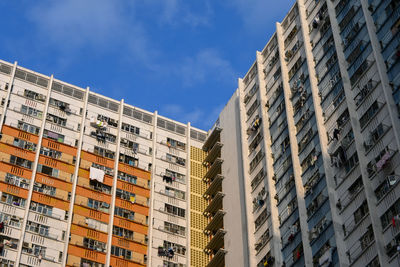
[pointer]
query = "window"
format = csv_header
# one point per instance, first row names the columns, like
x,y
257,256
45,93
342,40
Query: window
x,y
31,111
369,114
28,127
96,185
175,159
130,144
50,153
130,128
20,162
95,204
127,177
124,213
117,251
128,160
33,95
13,200
45,189
38,250
171,264
360,213
104,152
175,144
178,177
94,244
24,144
388,216
47,170
16,180
174,210
125,194
41,208
109,121
88,263
57,120
254,162
54,136
174,192
40,229
123,232
174,228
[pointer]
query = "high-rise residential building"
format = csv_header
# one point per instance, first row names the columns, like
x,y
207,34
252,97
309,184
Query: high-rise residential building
x,y
303,164
86,180
301,168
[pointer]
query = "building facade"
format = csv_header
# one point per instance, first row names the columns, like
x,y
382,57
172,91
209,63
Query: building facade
x,y
89,181
316,120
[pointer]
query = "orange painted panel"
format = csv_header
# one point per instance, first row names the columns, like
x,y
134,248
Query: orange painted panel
x,y
120,262
133,207
51,201
13,190
19,171
54,163
48,180
93,194
59,146
88,232
134,171
87,212
118,221
127,244
20,134
85,253
19,152
97,159
133,188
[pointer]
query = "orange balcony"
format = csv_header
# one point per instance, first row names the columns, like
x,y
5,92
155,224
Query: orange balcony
x,y
20,134
59,146
121,262
86,253
49,200
13,190
82,191
57,183
130,206
91,213
130,225
133,188
58,164
127,244
97,159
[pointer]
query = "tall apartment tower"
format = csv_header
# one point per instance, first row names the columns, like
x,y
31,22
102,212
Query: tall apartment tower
x,y
304,163
86,180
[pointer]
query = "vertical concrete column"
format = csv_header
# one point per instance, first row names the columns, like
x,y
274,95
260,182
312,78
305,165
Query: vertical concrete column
x,y
114,188
10,86
75,178
152,187
387,90
188,226
323,138
294,150
32,182
276,234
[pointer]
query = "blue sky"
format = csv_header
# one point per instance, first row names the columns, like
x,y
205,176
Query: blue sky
x,y
179,57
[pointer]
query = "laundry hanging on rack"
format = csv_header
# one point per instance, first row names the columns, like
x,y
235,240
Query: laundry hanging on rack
x,y
96,174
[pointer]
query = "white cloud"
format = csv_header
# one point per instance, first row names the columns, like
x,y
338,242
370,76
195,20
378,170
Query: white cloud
x,y
259,14
95,25
206,63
